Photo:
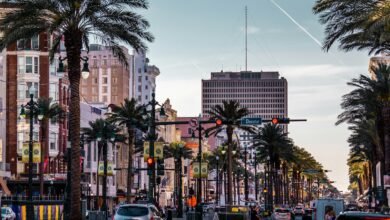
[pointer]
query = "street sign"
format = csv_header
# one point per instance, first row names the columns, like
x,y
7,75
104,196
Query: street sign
x,y
311,171
251,121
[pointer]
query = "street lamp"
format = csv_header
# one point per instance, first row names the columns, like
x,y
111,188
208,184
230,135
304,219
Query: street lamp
x,y
217,185
33,111
180,194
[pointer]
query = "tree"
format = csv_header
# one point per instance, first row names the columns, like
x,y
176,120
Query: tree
x,y
110,21
230,113
272,146
178,151
366,108
102,131
131,115
355,24
50,111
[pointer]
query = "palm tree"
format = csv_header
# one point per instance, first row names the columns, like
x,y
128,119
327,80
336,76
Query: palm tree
x,y
178,151
50,111
110,21
129,114
230,113
368,106
358,24
273,146
102,131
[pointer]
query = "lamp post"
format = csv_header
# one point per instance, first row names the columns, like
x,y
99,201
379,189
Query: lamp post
x,y
89,196
33,112
223,152
180,193
217,185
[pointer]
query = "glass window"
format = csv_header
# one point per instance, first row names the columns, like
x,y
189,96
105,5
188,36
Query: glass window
x,y
36,65
104,71
139,88
104,89
29,64
35,42
104,98
139,78
105,80
21,91
53,91
29,85
21,65
146,77
53,68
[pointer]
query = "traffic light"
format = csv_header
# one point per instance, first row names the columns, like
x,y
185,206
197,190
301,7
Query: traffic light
x,y
218,122
160,167
150,162
280,121
158,180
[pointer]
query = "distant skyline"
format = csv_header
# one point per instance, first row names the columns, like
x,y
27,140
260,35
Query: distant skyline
x,y
195,38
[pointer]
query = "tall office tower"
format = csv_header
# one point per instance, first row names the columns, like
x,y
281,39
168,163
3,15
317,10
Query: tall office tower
x,y
263,93
109,79
144,78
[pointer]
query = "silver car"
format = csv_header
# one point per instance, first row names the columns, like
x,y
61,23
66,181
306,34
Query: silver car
x,y
7,213
138,212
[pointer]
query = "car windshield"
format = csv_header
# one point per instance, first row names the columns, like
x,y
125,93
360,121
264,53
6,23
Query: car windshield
x,y
282,210
134,211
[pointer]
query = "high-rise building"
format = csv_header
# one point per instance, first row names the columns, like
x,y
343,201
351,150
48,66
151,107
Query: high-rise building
x,y
144,78
264,94
109,79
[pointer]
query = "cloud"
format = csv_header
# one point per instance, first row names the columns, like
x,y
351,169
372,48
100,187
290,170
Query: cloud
x,y
251,29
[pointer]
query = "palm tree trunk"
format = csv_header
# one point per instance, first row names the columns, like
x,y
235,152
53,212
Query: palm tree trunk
x,y
97,174
130,163
229,131
43,154
73,45
386,137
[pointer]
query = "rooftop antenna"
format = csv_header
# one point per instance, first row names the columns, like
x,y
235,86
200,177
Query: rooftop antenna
x,y
246,39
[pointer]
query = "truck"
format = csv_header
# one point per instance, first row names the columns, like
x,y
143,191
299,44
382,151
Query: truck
x,y
323,205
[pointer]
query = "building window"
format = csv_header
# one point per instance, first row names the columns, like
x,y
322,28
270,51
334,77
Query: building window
x,y
139,89
146,77
84,90
146,87
146,97
104,98
139,70
94,98
114,89
28,44
94,90
53,91
104,71
139,78
139,98
28,64
104,89
29,85
114,79
105,80
95,80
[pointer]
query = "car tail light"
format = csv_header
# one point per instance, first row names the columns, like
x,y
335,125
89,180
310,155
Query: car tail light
x,y
151,218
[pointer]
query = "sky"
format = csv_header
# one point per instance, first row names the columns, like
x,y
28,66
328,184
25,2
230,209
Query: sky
x,y
194,38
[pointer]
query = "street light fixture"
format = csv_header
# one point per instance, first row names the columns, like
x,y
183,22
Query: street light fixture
x,y
34,111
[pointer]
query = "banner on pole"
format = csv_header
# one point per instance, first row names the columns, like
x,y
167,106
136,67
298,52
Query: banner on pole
x,y
25,152
101,168
201,171
36,152
110,169
158,150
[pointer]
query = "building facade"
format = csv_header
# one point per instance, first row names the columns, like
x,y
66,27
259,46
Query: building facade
x,y
109,79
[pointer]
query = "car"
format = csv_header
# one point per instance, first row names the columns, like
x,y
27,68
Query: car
x,y
362,216
299,210
7,213
208,206
138,211
281,214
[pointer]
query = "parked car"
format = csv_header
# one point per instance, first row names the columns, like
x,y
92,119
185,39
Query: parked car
x,y
208,206
281,214
362,216
139,212
308,214
299,210
7,213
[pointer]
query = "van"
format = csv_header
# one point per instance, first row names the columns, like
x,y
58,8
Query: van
x,y
322,206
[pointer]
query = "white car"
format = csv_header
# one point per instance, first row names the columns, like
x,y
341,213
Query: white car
x,y
281,214
299,210
138,212
7,213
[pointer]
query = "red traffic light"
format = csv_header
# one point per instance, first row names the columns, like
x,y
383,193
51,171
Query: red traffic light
x,y
280,121
150,161
218,122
